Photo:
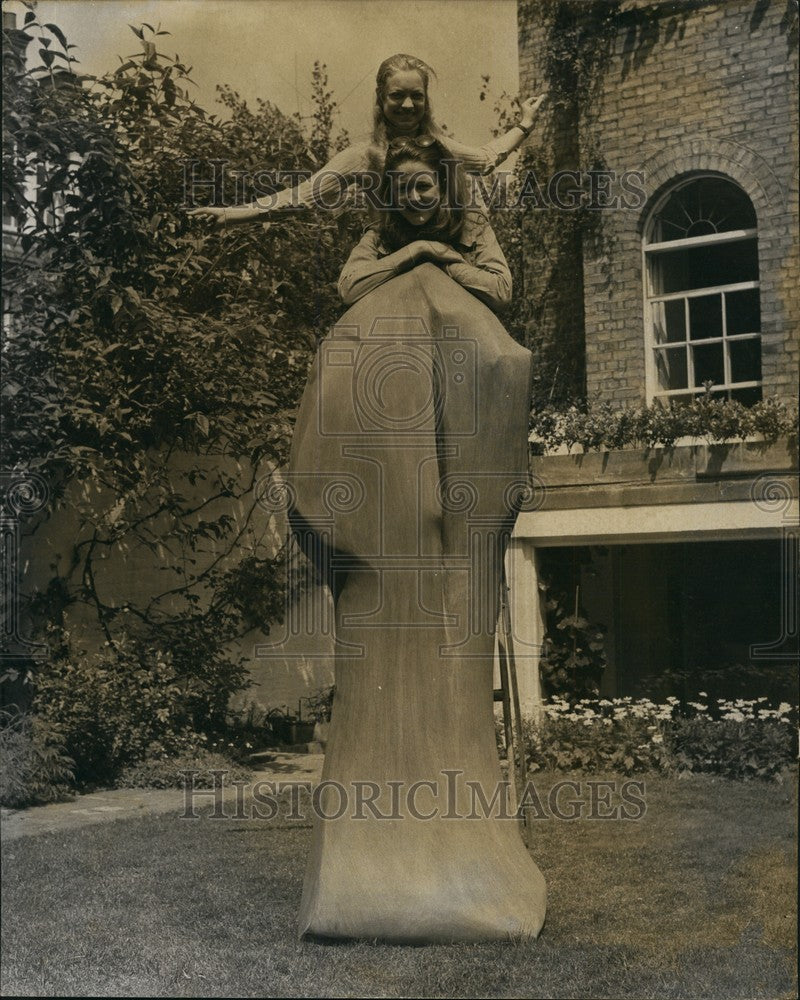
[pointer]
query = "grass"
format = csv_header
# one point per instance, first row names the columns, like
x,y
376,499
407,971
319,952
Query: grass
x,y
697,899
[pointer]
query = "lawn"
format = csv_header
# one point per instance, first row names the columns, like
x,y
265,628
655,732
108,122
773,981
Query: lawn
x,y
696,899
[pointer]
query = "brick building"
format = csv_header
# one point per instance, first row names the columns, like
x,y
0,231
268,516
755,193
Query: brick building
x,y
687,555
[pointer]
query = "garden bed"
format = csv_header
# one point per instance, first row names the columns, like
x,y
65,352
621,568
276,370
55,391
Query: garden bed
x,y
742,738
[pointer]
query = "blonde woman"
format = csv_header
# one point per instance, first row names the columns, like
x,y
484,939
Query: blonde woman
x,y
402,108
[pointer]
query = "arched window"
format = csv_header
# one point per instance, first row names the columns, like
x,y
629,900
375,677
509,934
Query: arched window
x,y
702,309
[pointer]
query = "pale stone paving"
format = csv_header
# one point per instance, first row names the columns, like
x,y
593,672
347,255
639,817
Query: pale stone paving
x,y
134,803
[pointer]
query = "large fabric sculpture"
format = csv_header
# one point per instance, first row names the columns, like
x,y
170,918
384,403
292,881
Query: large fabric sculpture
x,y
409,459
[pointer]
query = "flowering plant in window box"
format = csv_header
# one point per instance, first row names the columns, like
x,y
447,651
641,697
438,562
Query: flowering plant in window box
x,y
604,427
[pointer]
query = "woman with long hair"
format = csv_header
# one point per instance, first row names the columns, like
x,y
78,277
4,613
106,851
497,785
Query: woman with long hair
x,y
427,218
409,463
402,108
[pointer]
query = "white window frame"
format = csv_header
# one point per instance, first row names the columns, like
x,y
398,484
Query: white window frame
x,y
651,299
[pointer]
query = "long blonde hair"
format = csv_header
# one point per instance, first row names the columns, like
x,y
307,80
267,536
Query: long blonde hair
x,y
398,63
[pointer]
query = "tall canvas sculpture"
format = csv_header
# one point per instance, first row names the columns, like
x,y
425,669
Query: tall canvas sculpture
x,y
409,462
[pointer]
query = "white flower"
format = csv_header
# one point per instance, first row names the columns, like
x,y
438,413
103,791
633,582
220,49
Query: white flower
x,y
703,694
657,738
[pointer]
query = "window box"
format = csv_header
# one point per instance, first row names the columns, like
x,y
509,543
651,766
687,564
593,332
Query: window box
x,y
680,462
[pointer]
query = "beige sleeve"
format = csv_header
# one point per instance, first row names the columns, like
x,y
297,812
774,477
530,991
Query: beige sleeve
x,y
479,159
324,188
489,277
365,269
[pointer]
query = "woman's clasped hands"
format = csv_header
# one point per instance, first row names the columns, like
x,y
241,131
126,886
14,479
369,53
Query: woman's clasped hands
x,y
434,252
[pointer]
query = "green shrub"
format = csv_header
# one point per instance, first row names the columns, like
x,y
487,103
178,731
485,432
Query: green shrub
x,y
159,770
737,739
320,703
246,731
737,746
34,768
152,351
586,737
112,706
573,654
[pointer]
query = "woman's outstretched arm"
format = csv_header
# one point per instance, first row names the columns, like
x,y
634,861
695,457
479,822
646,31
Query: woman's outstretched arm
x,y
324,189
366,268
483,159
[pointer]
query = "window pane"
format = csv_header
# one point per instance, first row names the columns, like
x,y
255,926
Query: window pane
x,y
705,317
742,312
708,364
668,272
703,206
747,396
745,360
702,267
695,277
671,367
723,265
669,321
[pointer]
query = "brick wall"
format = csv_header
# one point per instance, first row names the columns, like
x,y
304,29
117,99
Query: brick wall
x,y
696,88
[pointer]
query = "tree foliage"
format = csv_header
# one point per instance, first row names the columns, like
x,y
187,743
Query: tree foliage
x,y
154,364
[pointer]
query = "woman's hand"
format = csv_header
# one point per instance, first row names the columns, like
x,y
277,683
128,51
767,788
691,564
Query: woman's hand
x,y
435,252
529,108
216,215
